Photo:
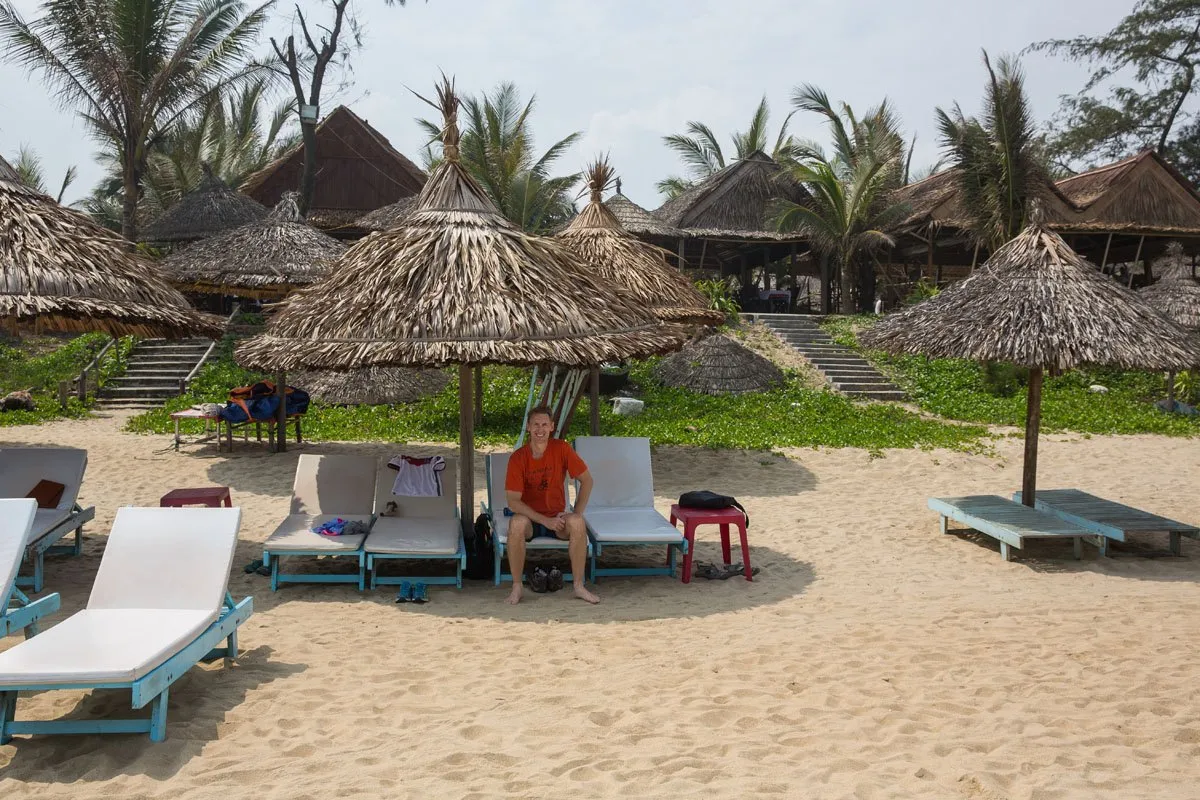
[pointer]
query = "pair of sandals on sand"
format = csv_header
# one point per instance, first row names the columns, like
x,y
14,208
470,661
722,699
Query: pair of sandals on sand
x,y
412,592
722,573
543,580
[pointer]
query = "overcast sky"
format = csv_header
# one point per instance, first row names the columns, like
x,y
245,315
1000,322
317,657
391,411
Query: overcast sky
x,y
628,72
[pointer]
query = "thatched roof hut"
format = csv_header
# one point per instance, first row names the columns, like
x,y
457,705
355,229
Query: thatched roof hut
x,y
372,386
359,172
388,217
62,272
638,220
639,268
718,365
1177,292
265,259
1038,304
211,208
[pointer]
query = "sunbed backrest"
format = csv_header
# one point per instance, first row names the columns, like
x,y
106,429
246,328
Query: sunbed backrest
x,y
420,507
334,485
497,468
620,467
16,518
22,467
167,558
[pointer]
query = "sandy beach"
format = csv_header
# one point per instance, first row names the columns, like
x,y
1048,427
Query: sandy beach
x,y
871,657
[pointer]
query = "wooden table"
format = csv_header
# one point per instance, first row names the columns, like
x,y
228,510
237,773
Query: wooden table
x,y
193,413
209,496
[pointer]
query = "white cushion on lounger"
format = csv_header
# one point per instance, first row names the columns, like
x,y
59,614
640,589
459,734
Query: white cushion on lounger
x,y
295,533
333,485
414,536
630,525
22,467
620,466
16,519
443,507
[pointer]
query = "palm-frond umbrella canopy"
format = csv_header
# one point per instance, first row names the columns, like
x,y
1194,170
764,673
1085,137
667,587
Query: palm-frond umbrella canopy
x,y
267,259
211,208
1037,304
389,216
718,365
372,386
457,283
60,271
641,269
1177,295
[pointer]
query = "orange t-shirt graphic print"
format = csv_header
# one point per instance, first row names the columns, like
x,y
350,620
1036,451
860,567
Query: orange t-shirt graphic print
x,y
540,480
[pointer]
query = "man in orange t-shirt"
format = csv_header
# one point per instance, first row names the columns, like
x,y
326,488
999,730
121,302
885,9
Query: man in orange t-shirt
x,y
535,488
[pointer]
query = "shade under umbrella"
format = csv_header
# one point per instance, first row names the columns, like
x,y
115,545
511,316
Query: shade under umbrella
x,y
457,284
267,259
1037,304
641,269
60,271
718,365
211,208
372,386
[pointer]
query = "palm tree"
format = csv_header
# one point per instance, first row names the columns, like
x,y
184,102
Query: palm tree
x,y
1000,166
29,166
134,68
701,152
497,147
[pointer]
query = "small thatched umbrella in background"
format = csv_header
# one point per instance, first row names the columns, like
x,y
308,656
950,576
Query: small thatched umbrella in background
x,y
266,259
372,386
718,365
1037,304
1177,295
457,284
209,209
60,271
387,217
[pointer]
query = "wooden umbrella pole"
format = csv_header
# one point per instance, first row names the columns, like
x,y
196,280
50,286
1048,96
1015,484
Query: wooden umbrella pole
x,y
595,398
281,413
1033,422
478,395
466,446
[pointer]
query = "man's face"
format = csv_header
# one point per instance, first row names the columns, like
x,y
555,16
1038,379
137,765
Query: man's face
x,y
540,427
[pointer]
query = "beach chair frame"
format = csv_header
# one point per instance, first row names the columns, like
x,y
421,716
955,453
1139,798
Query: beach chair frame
x,y
459,558
1008,522
17,613
21,614
1108,519
48,544
272,560
151,689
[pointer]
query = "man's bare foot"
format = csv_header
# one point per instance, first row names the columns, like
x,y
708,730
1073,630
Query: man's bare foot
x,y
583,594
515,596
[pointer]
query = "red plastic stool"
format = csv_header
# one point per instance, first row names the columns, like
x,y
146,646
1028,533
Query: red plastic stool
x,y
694,517
210,496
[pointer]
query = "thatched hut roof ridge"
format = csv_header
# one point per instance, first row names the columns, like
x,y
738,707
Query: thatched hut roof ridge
x,y
211,208
638,220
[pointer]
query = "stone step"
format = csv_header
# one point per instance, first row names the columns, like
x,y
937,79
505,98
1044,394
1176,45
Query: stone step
x,y
157,373
823,363
852,375
880,394
135,381
127,392
863,386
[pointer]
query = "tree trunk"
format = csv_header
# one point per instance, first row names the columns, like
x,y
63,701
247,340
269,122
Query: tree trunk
x,y
847,283
1033,423
466,447
308,178
129,203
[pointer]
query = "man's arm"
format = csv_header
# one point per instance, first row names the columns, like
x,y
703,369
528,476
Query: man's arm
x,y
514,503
584,492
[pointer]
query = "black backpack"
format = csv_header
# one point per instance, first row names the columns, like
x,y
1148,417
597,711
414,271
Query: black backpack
x,y
707,499
481,555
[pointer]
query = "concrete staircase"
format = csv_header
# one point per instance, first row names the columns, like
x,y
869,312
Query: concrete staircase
x,y
846,370
153,372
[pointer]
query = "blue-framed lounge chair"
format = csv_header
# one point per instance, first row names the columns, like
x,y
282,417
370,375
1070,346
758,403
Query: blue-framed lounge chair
x,y
160,604
325,488
20,470
496,467
620,511
1109,519
1010,523
420,529
17,613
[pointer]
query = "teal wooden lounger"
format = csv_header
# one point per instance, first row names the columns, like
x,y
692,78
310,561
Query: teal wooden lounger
x,y
419,529
1011,523
17,613
1109,519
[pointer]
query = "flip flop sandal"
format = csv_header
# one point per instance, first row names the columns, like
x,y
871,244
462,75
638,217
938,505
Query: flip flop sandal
x,y
406,592
264,570
538,580
710,571
554,579
253,566
420,593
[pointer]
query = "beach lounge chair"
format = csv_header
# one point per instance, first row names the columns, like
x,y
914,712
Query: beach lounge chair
x,y
496,467
1108,519
17,613
21,468
159,605
1011,523
620,511
325,488
420,529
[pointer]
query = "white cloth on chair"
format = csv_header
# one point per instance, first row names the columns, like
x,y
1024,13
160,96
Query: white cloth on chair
x,y
418,477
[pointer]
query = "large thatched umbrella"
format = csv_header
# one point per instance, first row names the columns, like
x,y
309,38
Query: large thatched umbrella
x,y
619,258
1037,304
457,284
60,271
267,259
211,208
1177,295
372,386
718,365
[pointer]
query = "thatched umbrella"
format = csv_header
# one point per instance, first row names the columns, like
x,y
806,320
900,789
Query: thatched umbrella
x,y
718,365
389,216
60,271
372,386
265,259
1177,295
1037,304
211,208
457,284
623,260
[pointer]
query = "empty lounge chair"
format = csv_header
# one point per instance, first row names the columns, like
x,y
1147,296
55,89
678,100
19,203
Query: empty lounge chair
x,y
1109,519
159,605
1010,523
419,529
17,613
